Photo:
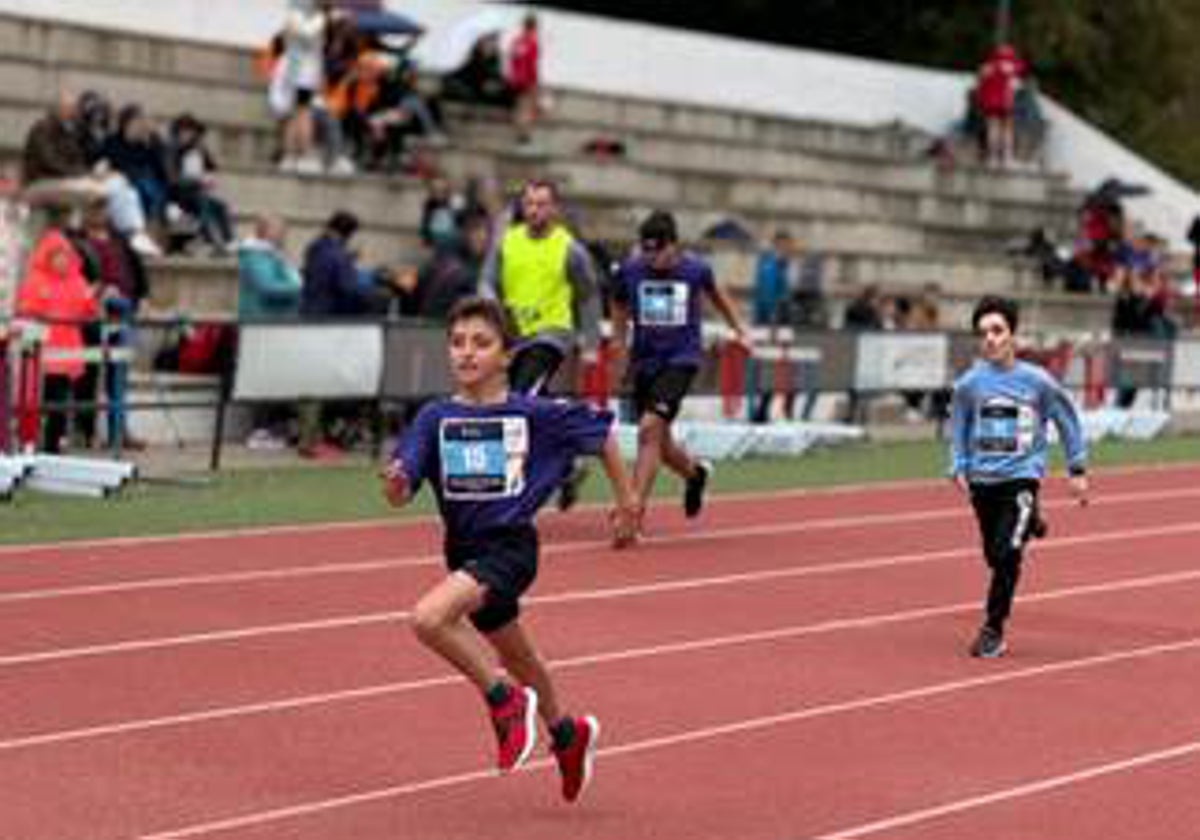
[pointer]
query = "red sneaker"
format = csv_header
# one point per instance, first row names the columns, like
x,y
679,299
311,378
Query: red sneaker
x,y
516,727
575,762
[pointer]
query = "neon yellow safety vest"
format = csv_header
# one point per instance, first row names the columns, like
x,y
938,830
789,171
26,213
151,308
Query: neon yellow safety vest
x,y
533,280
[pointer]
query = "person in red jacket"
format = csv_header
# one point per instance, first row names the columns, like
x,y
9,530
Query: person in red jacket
x,y
524,77
996,91
55,292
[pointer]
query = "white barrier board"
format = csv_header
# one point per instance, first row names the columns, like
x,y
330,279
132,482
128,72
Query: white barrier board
x,y
890,361
286,361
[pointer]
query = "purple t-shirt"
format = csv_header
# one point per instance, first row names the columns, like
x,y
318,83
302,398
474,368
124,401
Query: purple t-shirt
x,y
493,466
665,307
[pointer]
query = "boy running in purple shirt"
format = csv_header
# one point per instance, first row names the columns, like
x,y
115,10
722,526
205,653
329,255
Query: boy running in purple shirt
x,y
659,291
493,458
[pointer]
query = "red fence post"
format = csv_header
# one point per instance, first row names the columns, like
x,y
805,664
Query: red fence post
x,y
1095,377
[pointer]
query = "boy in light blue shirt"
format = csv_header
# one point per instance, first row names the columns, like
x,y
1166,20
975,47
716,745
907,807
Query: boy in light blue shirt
x,y
1001,409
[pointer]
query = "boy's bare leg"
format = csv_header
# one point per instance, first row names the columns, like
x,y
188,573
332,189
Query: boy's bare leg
x,y
676,457
652,431
521,660
438,621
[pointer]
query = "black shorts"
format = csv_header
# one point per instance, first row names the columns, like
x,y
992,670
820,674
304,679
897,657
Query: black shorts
x,y
304,97
504,561
532,368
1006,512
660,390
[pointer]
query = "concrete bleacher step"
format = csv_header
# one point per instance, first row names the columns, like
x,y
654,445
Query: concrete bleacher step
x,y
690,152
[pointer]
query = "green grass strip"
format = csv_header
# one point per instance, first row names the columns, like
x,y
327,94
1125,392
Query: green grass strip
x,y
306,494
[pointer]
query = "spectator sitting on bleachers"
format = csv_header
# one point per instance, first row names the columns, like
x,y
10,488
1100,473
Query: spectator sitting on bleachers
x,y
268,289
439,215
450,274
481,78
54,149
136,150
484,197
396,114
1101,232
192,169
95,115
268,283
58,167
334,286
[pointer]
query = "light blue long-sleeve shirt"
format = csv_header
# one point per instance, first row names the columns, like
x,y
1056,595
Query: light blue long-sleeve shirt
x,y
999,422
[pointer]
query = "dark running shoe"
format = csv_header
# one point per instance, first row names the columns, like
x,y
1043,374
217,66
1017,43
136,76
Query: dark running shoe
x,y
568,491
693,494
516,728
576,759
1038,529
989,644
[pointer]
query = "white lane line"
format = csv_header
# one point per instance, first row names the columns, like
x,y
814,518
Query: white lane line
x,y
431,519
692,646
363,619
1043,785
870,702
374,565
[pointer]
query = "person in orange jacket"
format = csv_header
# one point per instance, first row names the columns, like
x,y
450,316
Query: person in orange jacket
x,y
55,292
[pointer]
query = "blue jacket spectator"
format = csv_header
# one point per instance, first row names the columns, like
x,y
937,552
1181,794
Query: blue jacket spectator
x,y
771,290
268,285
332,283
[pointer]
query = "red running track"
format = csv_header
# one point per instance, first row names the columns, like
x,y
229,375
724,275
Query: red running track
x,y
790,667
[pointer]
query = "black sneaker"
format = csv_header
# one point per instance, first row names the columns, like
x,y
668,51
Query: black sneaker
x,y
989,644
568,491
1038,529
693,494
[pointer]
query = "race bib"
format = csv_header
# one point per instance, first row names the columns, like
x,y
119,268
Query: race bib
x,y
483,458
663,303
1004,427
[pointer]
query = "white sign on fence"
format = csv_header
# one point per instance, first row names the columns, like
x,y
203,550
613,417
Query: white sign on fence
x,y
319,361
890,361
1185,367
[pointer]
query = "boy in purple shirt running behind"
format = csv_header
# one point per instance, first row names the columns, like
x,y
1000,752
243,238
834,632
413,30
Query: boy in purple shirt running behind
x,y
493,458
659,291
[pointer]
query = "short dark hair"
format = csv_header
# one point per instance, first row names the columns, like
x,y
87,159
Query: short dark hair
x,y
343,223
659,227
1006,308
541,184
486,310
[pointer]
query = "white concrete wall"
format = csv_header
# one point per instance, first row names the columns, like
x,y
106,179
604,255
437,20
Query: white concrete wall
x,y
661,64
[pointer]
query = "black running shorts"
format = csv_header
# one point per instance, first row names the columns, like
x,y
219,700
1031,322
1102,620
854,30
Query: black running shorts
x,y
661,390
504,561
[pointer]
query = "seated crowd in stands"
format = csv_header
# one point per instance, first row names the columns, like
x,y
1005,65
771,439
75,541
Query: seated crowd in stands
x,y
159,188
349,99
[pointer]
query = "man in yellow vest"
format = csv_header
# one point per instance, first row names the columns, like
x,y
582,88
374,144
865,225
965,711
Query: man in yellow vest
x,y
545,279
